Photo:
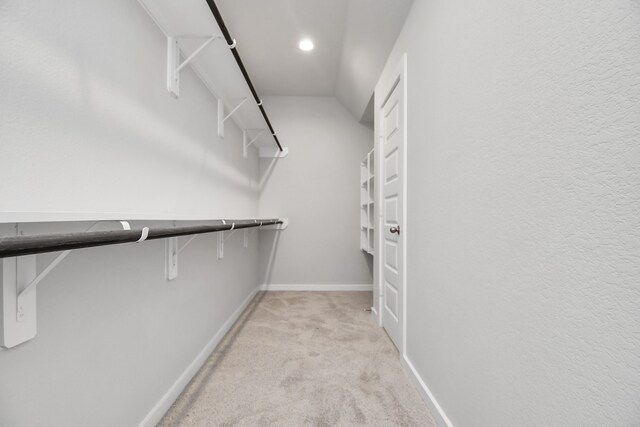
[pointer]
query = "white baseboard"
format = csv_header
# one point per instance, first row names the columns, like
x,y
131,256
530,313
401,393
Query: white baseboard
x,y
436,410
157,412
316,287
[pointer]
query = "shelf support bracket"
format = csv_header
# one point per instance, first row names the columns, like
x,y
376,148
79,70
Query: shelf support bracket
x,y
32,285
221,245
173,60
222,239
19,279
222,118
172,250
246,143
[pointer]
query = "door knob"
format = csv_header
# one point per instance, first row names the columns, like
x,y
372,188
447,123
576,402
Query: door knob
x,y
395,230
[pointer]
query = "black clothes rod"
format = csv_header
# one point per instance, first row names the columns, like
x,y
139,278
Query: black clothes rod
x,y
232,45
38,244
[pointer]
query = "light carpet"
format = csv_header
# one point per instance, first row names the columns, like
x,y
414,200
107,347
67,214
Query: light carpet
x,y
302,359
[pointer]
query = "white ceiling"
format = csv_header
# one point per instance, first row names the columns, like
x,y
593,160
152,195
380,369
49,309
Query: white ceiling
x,y
352,40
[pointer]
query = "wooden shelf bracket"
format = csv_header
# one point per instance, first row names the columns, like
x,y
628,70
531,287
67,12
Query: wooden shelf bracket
x,y
172,250
173,59
18,282
222,118
246,143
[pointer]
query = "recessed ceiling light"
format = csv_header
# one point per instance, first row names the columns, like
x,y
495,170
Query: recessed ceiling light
x,y
306,45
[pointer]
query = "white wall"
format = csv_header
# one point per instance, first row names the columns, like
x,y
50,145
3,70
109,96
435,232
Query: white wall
x,y
317,186
369,35
88,126
114,336
523,230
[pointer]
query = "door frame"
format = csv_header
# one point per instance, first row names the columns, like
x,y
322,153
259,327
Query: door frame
x,y
383,88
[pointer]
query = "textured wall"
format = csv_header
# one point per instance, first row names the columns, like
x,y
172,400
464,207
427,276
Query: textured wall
x,y
523,227
318,186
369,35
86,125
113,335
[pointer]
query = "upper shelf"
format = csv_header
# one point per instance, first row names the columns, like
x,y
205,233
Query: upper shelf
x,y
191,22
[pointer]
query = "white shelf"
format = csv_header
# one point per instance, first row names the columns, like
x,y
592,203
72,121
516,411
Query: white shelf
x,y
366,203
191,21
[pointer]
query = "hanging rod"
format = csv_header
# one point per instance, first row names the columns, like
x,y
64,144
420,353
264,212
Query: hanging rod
x,y
232,45
38,244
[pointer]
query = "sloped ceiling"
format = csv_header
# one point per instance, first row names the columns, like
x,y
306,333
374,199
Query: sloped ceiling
x,y
352,40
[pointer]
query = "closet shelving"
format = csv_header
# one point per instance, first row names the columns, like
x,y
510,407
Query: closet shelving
x,y
18,320
193,35
367,193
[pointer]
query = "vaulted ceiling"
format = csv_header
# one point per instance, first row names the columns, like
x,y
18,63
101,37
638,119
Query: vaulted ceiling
x,y
352,40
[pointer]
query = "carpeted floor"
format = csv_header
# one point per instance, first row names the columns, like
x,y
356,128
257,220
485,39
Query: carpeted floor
x,y
302,359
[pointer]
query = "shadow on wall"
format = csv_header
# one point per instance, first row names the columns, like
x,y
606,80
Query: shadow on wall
x,y
266,173
193,391
369,260
113,105
272,238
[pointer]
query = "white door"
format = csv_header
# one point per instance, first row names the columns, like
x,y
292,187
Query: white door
x,y
392,128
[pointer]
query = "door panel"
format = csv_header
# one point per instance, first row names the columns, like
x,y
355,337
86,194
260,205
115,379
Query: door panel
x,y
392,132
391,121
391,259
391,301
391,166
391,211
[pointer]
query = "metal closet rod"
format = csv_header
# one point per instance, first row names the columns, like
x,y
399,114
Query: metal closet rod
x,y
38,244
232,45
